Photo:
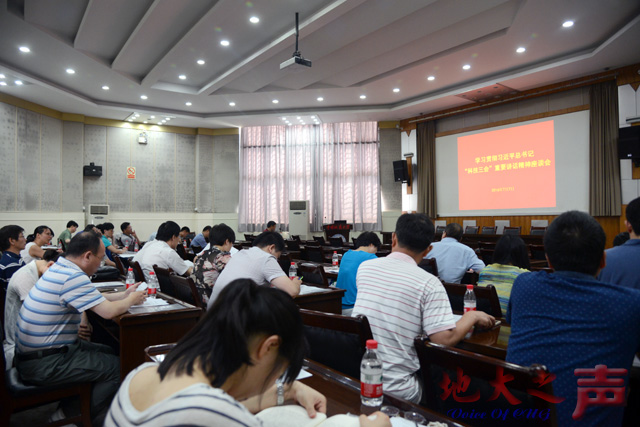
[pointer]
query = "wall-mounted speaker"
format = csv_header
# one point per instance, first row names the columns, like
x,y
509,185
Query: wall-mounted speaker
x,y
400,171
92,170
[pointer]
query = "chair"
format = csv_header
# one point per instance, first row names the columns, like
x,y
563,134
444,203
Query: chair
x,y
285,262
119,265
512,230
320,239
196,249
183,253
430,265
336,341
537,231
486,255
537,252
470,278
336,242
164,280
312,243
186,290
292,245
249,237
314,254
486,298
137,271
440,229
488,230
17,396
437,360
296,238
313,273
471,229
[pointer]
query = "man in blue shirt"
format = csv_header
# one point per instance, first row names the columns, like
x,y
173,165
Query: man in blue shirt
x,y
454,259
568,320
12,241
201,239
622,268
367,244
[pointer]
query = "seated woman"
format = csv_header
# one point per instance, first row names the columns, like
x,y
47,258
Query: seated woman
x,y
41,236
225,369
510,259
208,265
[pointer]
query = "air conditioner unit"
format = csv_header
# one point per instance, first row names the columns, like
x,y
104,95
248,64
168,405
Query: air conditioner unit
x,y
97,214
299,218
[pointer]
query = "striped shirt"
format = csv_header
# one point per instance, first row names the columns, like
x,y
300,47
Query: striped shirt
x,y
501,277
50,315
9,264
401,301
196,405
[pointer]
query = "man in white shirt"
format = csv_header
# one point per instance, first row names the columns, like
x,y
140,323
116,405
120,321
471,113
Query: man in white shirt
x,y
402,301
162,251
260,264
454,258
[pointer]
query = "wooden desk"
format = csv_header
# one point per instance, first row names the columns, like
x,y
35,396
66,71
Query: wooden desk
x,y
132,333
492,343
328,302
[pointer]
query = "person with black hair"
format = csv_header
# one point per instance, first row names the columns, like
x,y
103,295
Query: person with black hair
x,y
162,251
48,351
41,236
271,226
260,264
510,259
225,369
621,266
186,235
128,238
568,320
92,227
402,301
454,258
201,239
65,237
107,236
209,264
367,244
621,238
12,242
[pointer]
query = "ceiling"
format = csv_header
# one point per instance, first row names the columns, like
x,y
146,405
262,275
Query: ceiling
x,y
358,48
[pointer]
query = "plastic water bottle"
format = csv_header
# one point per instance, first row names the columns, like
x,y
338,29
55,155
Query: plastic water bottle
x,y
335,259
59,246
153,285
293,271
131,278
469,299
135,246
371,376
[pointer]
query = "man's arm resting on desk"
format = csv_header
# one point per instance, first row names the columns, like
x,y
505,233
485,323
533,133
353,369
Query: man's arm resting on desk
x,y
452,337
292,287
110,309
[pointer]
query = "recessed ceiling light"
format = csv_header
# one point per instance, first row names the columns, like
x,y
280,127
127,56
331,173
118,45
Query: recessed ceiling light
x,y
224,42
159,123
288,124
232,104
152,117
143,97
520,49
275,101
145,122
24,49
168,118
71,71
298,117
567,24
18,82
363,96
105,87
182,77
320,99
396,89
284,118
3,83
466,67
188,104
2,76
129,120
200,61
431,78
254,19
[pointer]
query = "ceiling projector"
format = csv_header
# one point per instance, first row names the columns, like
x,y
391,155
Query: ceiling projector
x,y
296,62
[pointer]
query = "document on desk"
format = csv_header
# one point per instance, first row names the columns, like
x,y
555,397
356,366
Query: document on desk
x,y
152,305
127,255
296,416
305,290
113,284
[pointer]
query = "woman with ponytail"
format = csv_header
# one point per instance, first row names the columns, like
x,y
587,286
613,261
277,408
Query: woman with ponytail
x,y
41,236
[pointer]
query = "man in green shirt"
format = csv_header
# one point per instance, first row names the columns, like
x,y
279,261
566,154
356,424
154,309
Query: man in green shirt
x,y
66,235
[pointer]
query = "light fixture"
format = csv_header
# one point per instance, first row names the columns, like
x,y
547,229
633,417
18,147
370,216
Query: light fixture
x,y
105,87
298,117
3,83
188,104
71,71
18,82
232,104
431,78
363,96
520,49
144,97
396,89
320,99
567,24
200,61
168,118
145,122
284,118
2,76
254,19
466,67
224,42
24,49
182,77
275,101
152,117
159,123
129,120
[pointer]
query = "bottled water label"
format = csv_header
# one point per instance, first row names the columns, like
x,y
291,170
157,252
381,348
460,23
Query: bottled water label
x,y
469,307
151,291
371,385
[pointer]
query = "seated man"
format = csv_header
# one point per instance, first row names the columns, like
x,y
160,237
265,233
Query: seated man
x,y
185,235
271,226
128,238
402,301
621,266
454,259
48,351
162,251
201,239
65,237
260,264
12,241
568,320
367,244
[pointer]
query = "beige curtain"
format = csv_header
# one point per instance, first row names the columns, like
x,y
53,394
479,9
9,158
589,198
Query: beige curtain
x,y
604,166
426,145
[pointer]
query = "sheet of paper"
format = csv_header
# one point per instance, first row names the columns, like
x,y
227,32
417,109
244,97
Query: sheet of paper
x,y
127,255
152,302
108,284
305,290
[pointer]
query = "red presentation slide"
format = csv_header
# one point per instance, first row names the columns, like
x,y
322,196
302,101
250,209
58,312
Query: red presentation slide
x,y
508,169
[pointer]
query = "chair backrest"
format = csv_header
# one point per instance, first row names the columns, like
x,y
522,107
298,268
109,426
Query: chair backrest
x,y
440,229
480,371
186,290
486,298
486,255
119,265
293,245
164,280
336,341
537,231
315,254
335,242
313,273
537,252
512,230
488,230
470,278
137,271
430,265
319,239
314,243
471,229
285,262
296,237
196,249
249,237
